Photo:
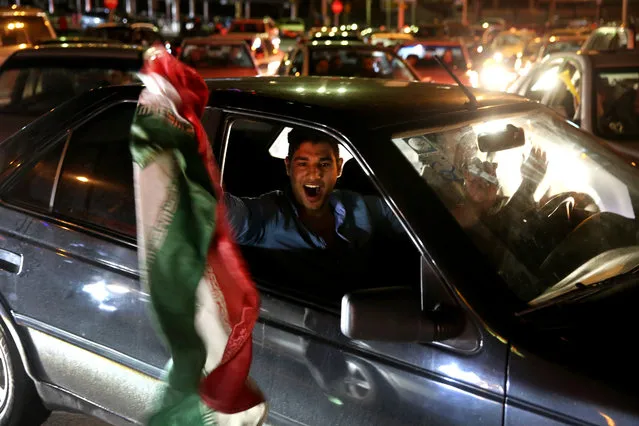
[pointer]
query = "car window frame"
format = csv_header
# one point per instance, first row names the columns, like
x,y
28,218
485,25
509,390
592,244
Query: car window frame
x,y
552,95
48,213
438,290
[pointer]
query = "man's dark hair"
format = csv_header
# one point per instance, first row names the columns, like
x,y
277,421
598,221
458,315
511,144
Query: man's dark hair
x,y
300,135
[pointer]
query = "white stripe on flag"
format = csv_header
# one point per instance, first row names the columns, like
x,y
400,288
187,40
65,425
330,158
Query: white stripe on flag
x,y
156,203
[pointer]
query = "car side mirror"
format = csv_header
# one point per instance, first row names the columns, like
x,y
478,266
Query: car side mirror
x,y
394,314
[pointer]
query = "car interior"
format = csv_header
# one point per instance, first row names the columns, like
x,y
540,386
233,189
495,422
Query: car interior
x,y
259,170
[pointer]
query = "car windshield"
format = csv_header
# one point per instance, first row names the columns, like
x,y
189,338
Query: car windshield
x,y
537,196
564,46
123,34
15,30
33,91
217,56
617,109
247,27
424,53
358,63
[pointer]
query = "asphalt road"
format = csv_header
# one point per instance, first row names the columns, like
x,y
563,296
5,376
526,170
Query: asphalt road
x,y
69,419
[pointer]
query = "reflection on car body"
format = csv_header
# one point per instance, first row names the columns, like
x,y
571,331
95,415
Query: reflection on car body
x,y
79,319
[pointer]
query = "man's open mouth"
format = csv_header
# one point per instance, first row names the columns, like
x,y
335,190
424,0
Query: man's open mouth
x,y
312,191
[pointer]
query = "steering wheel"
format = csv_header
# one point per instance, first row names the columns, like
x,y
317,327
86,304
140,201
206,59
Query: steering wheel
x,y
546,227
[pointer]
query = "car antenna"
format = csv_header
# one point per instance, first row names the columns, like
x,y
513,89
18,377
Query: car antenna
x,y
472,100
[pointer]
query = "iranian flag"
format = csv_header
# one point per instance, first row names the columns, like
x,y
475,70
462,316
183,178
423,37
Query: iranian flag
x,y
202,296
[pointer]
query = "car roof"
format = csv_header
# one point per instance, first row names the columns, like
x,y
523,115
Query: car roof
x,y
251,20
144,25
613,59
342,44
215,40
345,101
434,41
56,52
76,40
21,10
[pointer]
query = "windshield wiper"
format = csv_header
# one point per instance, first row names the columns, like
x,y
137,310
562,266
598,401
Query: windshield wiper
x,y
581,291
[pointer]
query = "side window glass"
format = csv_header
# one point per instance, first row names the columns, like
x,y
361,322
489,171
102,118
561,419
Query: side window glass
x,y
32,189
318,261
298,64
96,180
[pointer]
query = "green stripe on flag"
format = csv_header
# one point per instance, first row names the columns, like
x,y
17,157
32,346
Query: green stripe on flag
x,y
176,256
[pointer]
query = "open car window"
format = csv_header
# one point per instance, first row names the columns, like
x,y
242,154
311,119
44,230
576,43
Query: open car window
x,y
539,198
281,252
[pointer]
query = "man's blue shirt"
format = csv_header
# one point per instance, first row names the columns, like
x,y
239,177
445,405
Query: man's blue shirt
x,y
271,221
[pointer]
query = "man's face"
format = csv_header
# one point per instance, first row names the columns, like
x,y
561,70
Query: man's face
x,y
313,171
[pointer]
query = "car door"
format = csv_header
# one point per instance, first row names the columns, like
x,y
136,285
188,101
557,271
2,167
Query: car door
x,y
77,295
310,372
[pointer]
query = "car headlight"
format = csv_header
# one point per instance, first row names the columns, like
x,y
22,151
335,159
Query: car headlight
x,y
473,78
496,77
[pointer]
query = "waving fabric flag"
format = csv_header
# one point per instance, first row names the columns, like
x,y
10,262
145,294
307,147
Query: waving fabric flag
x,y
202,296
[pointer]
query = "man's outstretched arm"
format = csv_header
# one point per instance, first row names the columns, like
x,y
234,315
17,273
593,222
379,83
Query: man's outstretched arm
x,y
245,218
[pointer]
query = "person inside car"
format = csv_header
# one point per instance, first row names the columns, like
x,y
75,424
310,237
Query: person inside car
x,y
310,233
322,67
622,116
412,60
367,68
310,213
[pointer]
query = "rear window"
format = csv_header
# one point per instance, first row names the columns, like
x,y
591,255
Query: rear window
x,y
247,27
451,55
351,62
217,56
15,30
123,34
35,90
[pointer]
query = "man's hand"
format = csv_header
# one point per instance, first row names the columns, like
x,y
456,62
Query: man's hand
x,y
533,169
480,183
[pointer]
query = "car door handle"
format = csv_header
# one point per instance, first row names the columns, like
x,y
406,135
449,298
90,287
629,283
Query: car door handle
x,y
10,261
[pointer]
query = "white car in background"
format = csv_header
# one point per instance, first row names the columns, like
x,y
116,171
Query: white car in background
x,y
21,27
390,39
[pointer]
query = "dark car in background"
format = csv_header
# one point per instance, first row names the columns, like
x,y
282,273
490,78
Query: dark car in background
x,y
216,57
35,80
139,33
501,320
345,59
